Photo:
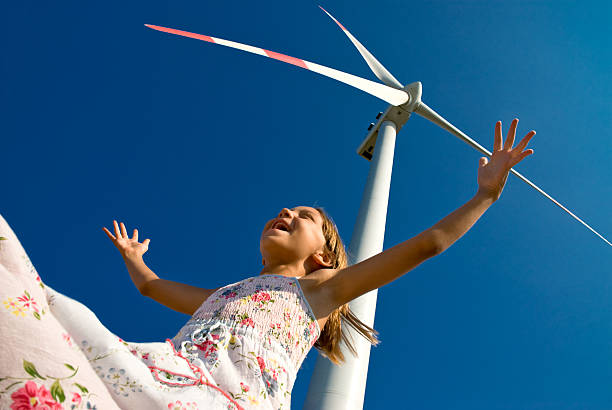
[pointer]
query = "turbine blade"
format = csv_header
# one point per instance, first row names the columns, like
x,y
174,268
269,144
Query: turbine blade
x,y
385,93
376,67
424,111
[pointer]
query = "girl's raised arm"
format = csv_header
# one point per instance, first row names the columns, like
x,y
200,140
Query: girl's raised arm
x,y
344,285
177,296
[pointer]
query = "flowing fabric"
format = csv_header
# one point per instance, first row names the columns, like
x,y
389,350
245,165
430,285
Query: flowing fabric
x,y
241,349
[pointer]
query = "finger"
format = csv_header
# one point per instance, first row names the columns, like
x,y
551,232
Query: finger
x,y
146,242
135,235
521,146
123,231
110,235
511,134
522,157
497,145
117,233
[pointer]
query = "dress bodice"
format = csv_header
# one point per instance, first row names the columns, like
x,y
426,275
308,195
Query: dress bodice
x,y
252,334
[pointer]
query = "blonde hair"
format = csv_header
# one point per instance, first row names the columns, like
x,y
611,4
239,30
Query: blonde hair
x,y
331,335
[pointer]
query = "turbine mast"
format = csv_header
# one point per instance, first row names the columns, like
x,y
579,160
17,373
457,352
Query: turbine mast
x,y
343,387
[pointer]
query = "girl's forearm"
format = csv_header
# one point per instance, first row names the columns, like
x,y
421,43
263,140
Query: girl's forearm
x,y
139,271
455,225
177,296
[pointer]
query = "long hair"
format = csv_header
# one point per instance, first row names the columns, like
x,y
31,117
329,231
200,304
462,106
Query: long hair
x,y
331,335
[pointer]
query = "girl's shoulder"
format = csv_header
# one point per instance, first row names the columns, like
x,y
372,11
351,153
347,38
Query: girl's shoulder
x,y
318,294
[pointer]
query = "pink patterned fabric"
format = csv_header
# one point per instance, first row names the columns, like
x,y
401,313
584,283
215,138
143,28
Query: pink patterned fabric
x,y
252,336
40,366
241,349
270,307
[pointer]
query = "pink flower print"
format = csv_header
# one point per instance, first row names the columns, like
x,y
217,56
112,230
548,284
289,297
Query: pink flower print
x,y
177,405
67,338
145,356
208,346
262,364
287,316
248,322
32,397
261,296
228,294
244,387
76,399
27,301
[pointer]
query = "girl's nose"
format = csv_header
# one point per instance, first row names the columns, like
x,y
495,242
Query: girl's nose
x,y
285,211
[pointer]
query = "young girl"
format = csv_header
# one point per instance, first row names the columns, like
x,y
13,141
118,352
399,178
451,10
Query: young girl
x,y
244,343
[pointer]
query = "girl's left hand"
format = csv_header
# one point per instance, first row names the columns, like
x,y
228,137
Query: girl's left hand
x,y
128,247
492,174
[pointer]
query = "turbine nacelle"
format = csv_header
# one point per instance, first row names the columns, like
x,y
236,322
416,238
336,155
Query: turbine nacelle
x,y
398,114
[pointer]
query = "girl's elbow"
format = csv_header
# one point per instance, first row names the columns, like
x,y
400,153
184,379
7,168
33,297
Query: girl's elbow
x,y
432,244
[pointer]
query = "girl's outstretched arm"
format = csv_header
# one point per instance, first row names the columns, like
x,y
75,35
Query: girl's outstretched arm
x,y
177,296
344,285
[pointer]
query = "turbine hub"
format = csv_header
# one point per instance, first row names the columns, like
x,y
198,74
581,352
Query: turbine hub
x,y
414,91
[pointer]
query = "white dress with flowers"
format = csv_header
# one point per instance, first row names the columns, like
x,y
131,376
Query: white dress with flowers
x,y
241,349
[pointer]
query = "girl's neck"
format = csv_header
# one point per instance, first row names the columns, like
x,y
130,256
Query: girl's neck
x,y
283,270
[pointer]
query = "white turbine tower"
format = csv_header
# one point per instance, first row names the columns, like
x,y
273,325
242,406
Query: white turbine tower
x,y
333,387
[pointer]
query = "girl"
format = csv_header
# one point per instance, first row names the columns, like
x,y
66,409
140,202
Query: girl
x,y
244,343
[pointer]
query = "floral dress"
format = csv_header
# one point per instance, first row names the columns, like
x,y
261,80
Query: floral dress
x,y
241,349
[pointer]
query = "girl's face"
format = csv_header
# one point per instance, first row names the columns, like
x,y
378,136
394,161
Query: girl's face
x,y
299,240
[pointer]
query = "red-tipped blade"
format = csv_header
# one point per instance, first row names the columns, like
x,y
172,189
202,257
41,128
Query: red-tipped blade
x,y
385,93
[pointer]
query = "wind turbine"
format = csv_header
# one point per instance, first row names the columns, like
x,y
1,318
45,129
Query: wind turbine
x,y
404,100
334,387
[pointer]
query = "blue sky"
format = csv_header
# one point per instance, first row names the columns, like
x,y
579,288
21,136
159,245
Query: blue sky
x,y
198,145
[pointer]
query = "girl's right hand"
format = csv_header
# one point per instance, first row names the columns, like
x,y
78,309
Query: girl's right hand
x,y
128,247
492,175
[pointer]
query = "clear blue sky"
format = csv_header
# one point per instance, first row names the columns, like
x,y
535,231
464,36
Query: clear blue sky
x,y
198,145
